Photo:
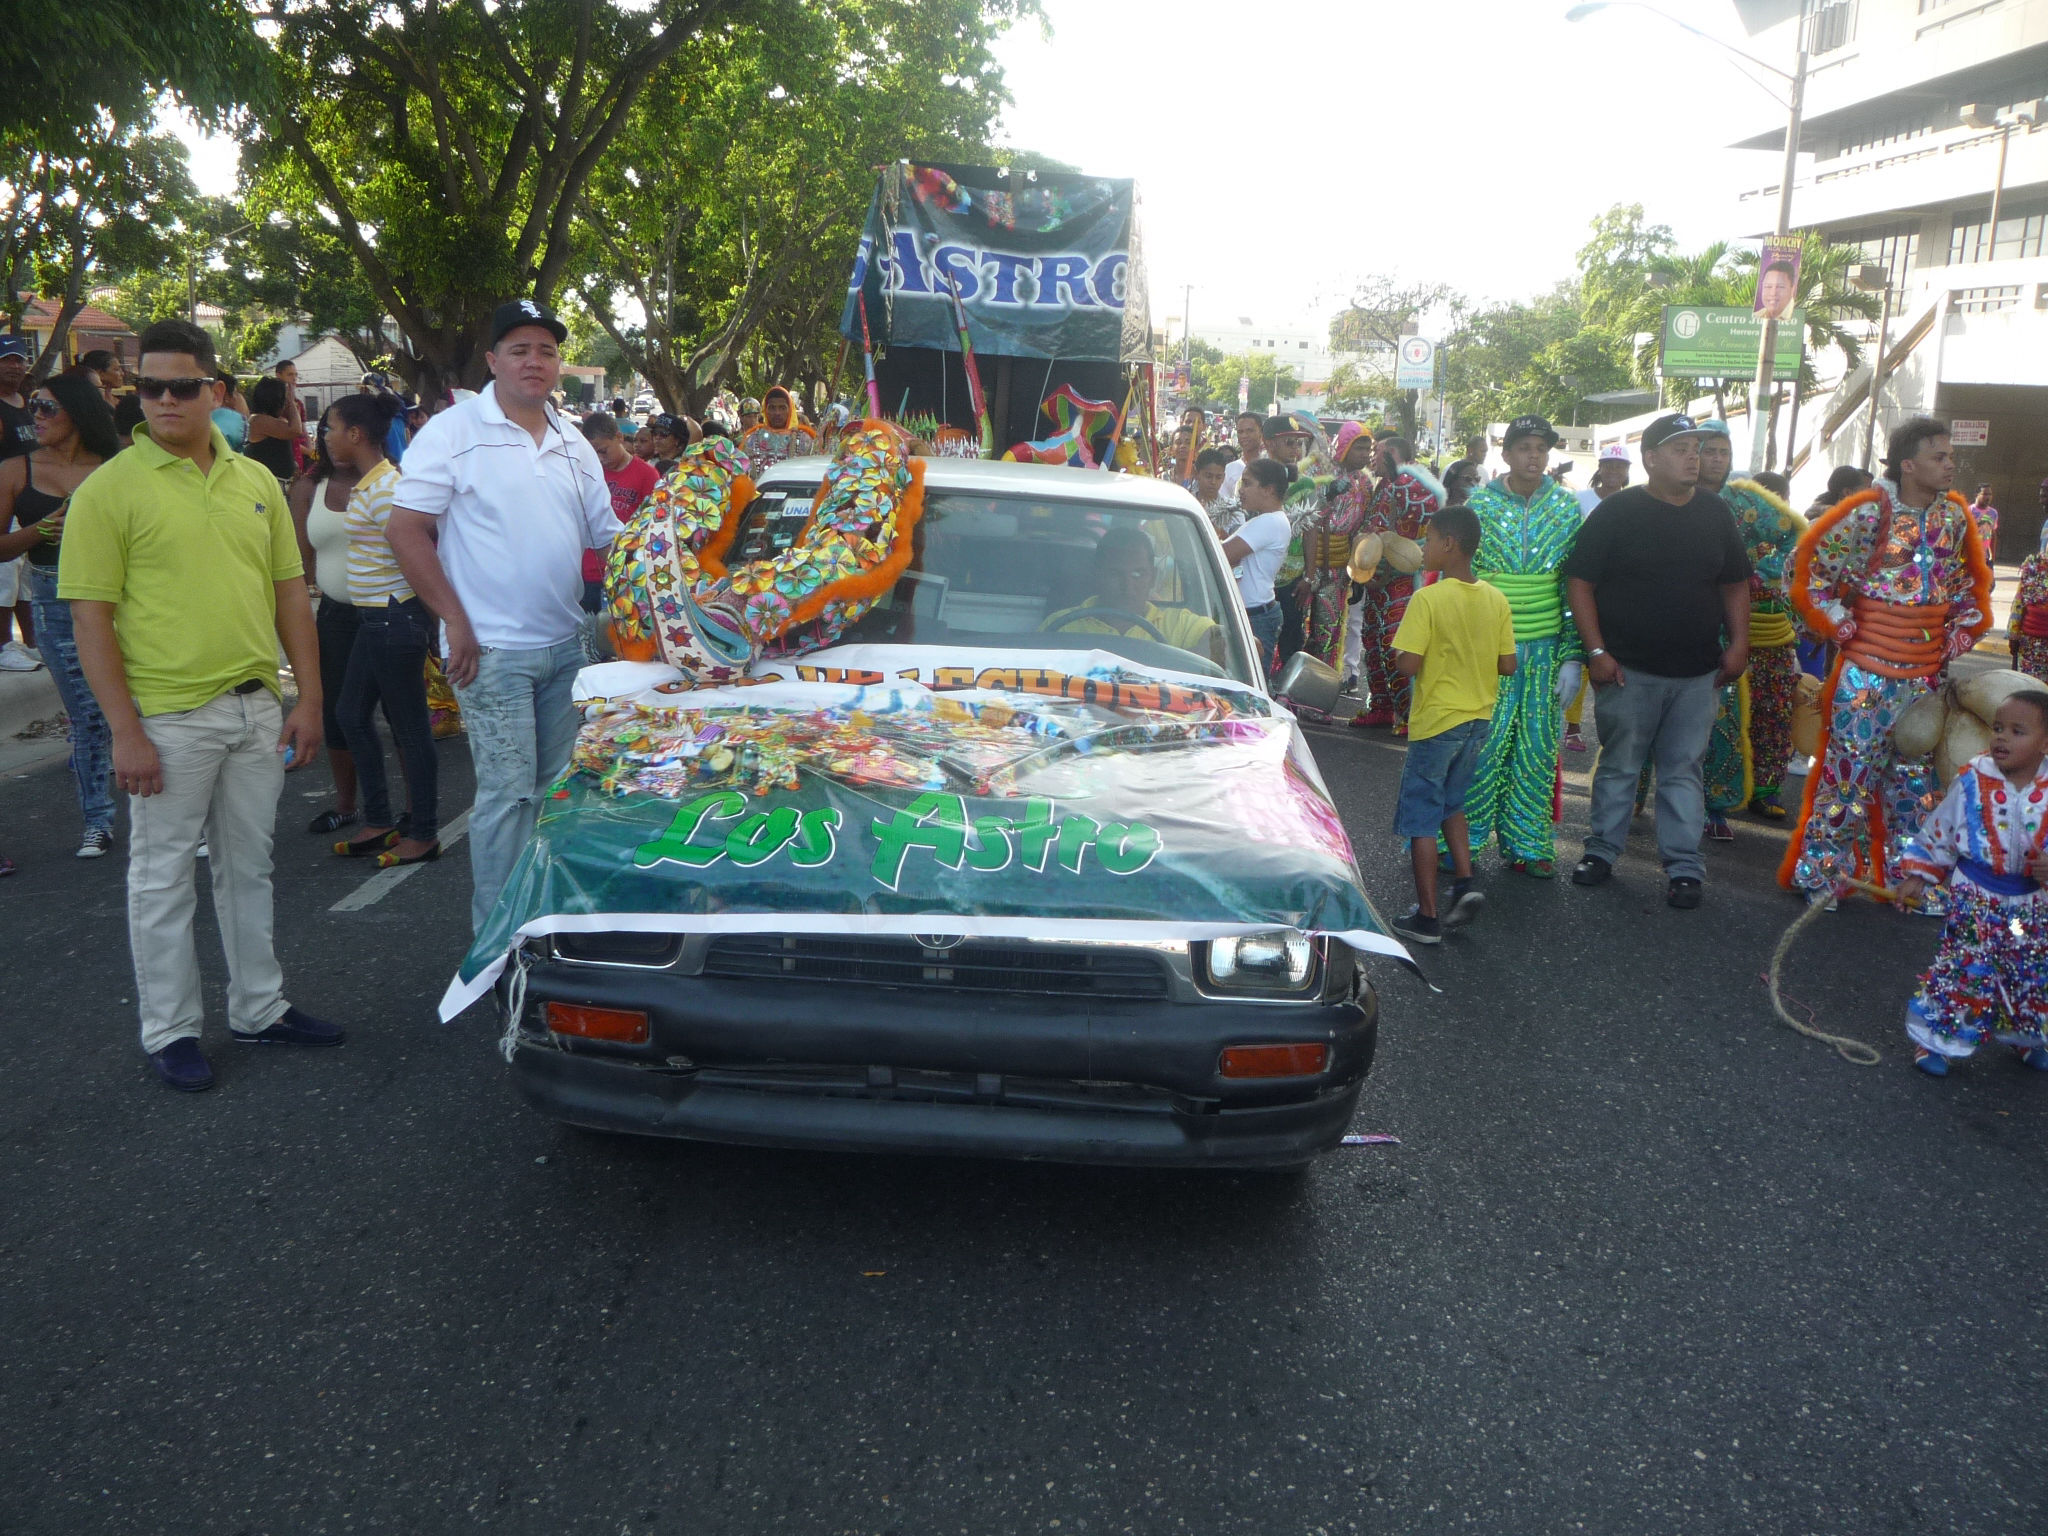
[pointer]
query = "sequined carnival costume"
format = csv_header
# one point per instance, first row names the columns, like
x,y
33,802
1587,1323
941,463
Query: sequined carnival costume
x,y
1402,503
1324,590
1752,741
669,593
2028,626
1900,592
1523,543
766,445
1989,980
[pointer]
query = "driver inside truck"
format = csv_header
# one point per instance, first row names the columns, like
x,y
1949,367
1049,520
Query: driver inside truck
x,y
1124,578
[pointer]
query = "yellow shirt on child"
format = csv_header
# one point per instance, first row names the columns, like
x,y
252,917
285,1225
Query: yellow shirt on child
x,y
1460,629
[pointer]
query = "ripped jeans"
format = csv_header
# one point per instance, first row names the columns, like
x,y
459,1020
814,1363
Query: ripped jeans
x,y
522,726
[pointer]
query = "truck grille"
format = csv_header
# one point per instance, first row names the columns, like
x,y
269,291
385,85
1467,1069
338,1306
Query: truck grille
x,y
973,966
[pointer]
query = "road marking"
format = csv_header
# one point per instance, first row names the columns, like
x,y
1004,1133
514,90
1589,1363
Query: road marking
x,y
385,881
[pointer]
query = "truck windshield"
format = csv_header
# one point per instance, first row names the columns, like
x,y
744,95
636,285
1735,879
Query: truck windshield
x,y
1065,575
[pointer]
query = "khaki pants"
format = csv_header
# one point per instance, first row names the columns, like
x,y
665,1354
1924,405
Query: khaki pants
x,y
222,778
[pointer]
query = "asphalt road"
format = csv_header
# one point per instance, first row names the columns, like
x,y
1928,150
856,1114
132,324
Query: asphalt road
x,y
1643,1261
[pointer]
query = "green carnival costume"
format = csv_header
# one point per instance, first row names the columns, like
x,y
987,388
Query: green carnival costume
x,y
1522,550
1752,740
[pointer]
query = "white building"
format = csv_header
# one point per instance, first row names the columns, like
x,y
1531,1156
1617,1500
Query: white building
x,y
1908,105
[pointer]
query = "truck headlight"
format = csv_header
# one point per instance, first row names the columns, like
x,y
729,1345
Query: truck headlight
x,y
1283,960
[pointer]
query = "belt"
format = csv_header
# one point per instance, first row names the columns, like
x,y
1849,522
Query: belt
x,y
1275,603
1996,881
1770,628
2034,622
1533,599
253,685
1897,639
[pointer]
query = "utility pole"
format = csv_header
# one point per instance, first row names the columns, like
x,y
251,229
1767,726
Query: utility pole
x,y
1767,344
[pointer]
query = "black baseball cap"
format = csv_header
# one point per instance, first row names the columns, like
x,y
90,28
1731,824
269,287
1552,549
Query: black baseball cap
x,y
1665,428
1529,426
509,317
14,346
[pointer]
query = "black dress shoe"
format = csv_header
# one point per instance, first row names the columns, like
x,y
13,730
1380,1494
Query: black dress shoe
x,y
1684,893
1591,870
295,1028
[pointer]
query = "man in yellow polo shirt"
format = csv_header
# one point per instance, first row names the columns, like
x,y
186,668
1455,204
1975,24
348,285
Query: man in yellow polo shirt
x,y
1123,585
182,570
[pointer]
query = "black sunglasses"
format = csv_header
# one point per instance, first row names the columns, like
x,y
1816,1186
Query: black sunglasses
x,y
177,389
45,408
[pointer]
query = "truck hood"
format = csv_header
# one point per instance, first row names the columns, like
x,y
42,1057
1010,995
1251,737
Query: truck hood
x,y
899,790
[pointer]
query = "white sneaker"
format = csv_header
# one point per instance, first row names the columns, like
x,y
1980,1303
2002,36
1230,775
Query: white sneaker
x,y
96,843
16,657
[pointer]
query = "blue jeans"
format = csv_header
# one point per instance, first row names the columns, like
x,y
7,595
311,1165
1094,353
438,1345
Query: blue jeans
x,y
92,744
388,662
1437,776
522,723
1266,621
1663,720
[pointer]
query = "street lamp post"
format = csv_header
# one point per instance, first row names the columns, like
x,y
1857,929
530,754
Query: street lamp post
x,y
1975,116
1795,103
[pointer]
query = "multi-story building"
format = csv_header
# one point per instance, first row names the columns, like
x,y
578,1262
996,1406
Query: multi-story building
x,y
1919,115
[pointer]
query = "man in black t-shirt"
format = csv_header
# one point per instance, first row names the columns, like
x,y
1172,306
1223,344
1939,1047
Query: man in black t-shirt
x,y
1659,584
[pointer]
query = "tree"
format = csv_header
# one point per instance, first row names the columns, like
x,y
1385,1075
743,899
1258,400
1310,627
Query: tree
x,y
717,235
448,146
1382,311
1216,381
111,203
75,61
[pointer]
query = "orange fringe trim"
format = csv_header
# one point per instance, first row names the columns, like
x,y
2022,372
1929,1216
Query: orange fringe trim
x,y
869,585
711,558
1873,863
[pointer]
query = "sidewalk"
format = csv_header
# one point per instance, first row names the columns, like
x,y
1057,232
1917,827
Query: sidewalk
x,y
29,699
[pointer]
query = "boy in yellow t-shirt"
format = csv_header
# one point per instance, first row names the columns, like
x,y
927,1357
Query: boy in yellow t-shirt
x,y
1456,643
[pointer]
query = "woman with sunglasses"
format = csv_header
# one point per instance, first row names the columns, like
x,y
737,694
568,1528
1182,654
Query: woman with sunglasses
x,y
74,436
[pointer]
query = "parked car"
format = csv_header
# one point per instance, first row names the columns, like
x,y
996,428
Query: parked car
x,y
1028,864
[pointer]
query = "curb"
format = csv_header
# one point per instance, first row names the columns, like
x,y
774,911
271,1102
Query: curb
x,y
25,698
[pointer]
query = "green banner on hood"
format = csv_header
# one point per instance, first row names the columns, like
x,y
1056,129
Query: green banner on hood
x,y
824,807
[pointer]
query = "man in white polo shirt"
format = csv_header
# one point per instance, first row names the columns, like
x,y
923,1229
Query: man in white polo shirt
x,y
499,499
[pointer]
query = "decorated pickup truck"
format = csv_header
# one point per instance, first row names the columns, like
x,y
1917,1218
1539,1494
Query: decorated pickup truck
x,y
935,806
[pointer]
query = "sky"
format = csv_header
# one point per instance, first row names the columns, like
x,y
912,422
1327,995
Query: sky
x,y
1469,142
1461,141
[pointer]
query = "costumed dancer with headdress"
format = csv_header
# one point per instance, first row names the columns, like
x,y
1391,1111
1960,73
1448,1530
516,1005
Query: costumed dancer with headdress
x,y
2027,629
1323,594
1895,578
780,435
1407,496
1770,531
1752,739
1528,523
1985,842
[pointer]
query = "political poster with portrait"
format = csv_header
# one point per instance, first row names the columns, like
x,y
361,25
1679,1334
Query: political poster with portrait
x,y
1777,278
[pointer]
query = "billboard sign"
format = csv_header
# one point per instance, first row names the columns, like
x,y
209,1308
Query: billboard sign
x,y
1777,278
1707,341
1415,363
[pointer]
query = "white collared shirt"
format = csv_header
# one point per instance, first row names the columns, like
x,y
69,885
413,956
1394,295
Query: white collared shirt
x,y
515,518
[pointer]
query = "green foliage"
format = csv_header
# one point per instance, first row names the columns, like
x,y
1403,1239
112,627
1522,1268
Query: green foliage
x,y
1215,380
713,242
68,63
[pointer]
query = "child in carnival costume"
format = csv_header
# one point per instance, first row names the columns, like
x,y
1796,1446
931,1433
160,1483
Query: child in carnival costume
x,y
1985,842
1895,578
1407,497
1528,523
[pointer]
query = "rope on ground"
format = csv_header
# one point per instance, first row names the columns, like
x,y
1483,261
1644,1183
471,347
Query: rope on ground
x,y
1857,1052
